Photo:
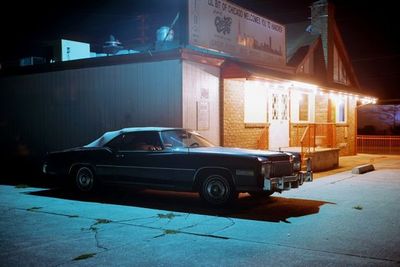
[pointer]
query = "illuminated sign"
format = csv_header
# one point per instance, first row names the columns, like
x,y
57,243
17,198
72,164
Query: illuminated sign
x,y
225,27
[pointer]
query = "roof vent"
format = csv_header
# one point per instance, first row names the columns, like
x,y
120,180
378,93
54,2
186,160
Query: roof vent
x,y
112,46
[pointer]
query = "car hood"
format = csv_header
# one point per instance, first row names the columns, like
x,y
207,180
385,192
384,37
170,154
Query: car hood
x,y
271,155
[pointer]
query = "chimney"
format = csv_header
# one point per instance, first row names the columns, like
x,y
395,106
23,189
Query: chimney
x,y
322,12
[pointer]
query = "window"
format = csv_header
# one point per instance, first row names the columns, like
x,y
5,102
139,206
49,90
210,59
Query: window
x,y
339,72
341,110
144,141
175,139
302,106
255,102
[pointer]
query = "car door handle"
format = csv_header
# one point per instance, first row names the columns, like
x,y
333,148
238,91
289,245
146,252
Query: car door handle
x,y
120,155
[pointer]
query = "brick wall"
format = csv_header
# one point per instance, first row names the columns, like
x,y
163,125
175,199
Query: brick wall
x,y
236,133
346,132
321,108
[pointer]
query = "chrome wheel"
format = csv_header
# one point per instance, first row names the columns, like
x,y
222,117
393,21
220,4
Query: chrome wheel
x,y
84,179
217,190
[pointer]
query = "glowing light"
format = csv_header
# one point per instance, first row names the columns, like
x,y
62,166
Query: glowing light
x,y
255,95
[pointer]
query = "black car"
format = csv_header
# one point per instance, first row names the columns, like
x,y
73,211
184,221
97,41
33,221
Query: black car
x,y
176,159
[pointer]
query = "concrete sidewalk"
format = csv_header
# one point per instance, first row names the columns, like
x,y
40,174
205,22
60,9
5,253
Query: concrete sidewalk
x,y
340,220
349,162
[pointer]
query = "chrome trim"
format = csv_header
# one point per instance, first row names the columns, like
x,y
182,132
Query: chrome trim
x,y
141,167
249,172
277,184
44,168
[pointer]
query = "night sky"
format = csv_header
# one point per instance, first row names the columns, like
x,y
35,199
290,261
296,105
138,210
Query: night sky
x,y
368,29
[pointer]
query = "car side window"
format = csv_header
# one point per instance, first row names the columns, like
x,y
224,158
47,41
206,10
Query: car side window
x,y
115,143
141,141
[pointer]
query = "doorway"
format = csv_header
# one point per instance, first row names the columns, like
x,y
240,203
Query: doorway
x,y
278,117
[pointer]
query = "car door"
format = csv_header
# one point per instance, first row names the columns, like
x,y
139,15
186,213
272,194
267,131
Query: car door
x,y
141,159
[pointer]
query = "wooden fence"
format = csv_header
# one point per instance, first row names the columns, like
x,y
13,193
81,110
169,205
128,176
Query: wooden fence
x,y
378,144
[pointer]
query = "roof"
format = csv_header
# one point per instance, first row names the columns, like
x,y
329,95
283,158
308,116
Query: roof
x,y
95,62
108,136
298,36
238,69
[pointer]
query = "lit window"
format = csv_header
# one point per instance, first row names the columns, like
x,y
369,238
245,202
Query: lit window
x,y
341,110
255,102
302,106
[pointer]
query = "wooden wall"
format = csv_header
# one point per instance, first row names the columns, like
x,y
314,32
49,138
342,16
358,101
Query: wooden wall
x,y
201,87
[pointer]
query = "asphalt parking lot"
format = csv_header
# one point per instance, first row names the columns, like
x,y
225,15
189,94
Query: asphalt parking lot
x,y
342,219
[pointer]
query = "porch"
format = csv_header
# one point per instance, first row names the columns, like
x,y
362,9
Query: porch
x,y
312,140
322,158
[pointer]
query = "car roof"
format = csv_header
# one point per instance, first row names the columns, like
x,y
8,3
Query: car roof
x,y
145,129
108,136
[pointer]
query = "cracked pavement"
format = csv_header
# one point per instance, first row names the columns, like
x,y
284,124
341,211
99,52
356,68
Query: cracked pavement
x,y
339,220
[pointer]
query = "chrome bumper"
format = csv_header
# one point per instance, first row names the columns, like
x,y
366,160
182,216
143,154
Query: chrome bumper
x,y
278,184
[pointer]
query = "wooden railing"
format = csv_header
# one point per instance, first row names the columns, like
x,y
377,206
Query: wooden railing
x,y
307,140
378,144
314,135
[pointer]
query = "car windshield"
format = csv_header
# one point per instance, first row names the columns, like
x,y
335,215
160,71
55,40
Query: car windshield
x,y
183,139
104,139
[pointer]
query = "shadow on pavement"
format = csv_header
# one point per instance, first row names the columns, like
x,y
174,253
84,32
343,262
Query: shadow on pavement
x,y
272,209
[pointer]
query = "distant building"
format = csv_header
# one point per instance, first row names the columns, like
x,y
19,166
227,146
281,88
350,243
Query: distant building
x,y
379,119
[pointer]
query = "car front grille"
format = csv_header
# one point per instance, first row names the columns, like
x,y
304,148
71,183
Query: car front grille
x,y
281,168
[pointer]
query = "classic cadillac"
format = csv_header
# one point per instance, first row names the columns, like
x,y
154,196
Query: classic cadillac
x,y
176,159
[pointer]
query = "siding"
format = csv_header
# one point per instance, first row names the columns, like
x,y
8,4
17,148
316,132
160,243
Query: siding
x,y
201,84
58,110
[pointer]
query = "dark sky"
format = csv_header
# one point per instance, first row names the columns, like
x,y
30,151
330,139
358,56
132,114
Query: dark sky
x,y
368,29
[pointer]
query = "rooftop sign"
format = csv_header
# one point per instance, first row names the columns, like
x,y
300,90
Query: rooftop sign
x,y
222,26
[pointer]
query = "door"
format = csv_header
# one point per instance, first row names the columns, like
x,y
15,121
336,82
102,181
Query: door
x,y
278,118
139,158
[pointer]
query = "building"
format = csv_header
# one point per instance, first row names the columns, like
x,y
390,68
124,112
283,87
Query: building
x,y
239,79
380,119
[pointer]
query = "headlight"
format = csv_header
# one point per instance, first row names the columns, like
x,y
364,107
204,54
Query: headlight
x,y
265,170
296,166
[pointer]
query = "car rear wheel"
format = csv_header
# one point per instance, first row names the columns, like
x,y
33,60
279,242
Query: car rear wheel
x,y
217,190
260,194
85,180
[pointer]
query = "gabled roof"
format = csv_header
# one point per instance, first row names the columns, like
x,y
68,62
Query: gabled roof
x,y
298,36
338,41
302,43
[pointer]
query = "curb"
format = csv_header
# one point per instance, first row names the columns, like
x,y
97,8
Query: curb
x,y
363,169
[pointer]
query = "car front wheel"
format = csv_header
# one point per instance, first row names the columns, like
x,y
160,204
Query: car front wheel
x,y
217,190
85,180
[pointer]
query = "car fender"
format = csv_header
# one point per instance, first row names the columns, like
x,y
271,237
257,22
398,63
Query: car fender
x,y
210,169
73,166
